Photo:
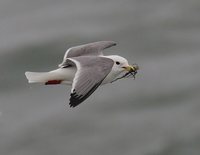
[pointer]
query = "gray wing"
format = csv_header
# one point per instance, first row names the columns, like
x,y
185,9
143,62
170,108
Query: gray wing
x,y
91,71
93,49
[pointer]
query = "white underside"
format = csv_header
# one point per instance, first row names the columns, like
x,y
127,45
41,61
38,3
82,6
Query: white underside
x,y
66,75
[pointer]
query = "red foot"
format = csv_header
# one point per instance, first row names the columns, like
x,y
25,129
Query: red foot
x,y
51,82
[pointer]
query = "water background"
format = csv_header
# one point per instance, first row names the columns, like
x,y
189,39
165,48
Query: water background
x,y
156,114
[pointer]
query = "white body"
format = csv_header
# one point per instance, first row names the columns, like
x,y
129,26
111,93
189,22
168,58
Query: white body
x,y
66,75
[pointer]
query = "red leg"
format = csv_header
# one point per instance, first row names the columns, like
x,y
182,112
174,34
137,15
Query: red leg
x,y
52,82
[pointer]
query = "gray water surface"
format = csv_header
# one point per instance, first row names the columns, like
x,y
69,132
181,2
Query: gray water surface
x,y
156,114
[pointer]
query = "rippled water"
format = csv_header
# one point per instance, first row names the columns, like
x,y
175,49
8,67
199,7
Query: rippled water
x,y
156,114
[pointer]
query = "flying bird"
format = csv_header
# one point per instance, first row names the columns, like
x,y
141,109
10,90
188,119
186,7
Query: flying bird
x,y
85,68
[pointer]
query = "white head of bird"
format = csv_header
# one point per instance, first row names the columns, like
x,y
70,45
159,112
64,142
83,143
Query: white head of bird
x,y
120,64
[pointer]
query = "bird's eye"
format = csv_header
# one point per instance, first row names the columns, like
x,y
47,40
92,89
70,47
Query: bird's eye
x,y
117,62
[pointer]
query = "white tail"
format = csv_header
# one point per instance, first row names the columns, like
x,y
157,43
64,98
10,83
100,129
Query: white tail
x,y
57,76
36,77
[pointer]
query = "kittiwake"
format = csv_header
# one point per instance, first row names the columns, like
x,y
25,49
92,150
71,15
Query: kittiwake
x,y
85,68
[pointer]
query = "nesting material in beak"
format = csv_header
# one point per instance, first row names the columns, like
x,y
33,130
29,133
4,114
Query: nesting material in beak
x,y
132,68
132,71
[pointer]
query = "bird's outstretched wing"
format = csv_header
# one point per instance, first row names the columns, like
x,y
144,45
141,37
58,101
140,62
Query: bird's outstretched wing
x,y
93,49
91,71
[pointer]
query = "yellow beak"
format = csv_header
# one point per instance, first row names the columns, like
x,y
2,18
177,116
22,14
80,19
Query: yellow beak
x,y
131,68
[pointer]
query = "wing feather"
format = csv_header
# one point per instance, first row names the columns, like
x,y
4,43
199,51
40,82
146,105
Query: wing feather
x,y
91,71
91,49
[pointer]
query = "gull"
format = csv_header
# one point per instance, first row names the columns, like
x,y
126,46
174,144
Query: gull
x,y
85,68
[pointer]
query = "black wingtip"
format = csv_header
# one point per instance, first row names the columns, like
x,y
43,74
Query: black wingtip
x,y
75,100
